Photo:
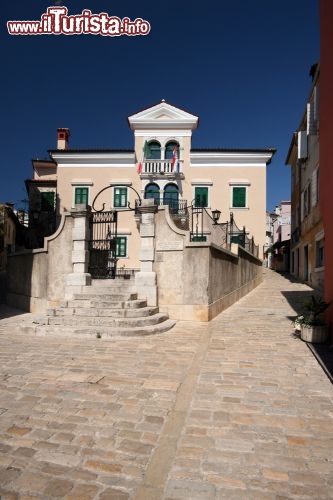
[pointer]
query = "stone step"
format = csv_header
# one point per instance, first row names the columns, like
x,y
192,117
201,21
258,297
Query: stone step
x,y
101,332
109,304
107,321
117,283
103,312
118,296
107,289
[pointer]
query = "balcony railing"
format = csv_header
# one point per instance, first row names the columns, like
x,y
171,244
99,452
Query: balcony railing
x,y
159,167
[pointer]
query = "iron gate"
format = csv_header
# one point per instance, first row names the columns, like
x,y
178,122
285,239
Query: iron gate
x,y
103,244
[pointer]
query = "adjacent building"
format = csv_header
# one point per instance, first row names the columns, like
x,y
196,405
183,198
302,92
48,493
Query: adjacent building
x,y
277,246
325,154
164,166
307,230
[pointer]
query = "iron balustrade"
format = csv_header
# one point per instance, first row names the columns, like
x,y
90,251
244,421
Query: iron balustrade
x,y
159,167
203,228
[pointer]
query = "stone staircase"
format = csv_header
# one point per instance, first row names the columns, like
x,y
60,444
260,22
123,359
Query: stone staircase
x,y
107,308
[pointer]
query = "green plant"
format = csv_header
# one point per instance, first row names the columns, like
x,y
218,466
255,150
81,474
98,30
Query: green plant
x,y
313,312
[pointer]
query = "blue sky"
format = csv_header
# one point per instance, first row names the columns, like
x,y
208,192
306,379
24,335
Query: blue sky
x,y
241,66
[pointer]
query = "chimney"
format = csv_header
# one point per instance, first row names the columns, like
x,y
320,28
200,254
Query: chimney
x,y
63,138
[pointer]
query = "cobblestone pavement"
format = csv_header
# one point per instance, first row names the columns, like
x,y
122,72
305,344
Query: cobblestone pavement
x,y
235,409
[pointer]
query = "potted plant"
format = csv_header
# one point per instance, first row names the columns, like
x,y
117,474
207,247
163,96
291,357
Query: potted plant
x,y
311,323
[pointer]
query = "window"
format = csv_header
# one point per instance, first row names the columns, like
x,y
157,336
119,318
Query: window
x,y
154,150
171,195
152,190
121,250
81,195
307,201
120,197
169,150
292,262
239,197
201,196
320,253
47,201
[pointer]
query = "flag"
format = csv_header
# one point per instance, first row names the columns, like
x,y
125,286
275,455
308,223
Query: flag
x,y
145,156
174,161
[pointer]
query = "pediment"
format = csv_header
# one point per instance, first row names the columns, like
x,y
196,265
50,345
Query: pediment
x,y
163,116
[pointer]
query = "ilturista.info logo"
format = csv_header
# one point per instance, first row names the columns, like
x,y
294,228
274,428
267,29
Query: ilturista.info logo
x,y
57,22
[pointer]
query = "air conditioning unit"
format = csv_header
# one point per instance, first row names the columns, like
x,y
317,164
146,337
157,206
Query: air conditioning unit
x,y
302,141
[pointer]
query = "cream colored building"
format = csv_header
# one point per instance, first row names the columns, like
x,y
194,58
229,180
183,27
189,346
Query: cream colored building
x,y
224,179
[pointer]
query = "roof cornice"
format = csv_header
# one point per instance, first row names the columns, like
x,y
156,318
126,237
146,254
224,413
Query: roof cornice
x,y
246,157
106,158
163,116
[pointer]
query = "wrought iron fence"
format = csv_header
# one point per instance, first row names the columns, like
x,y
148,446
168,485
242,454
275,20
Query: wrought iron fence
x,y
203,228
103,244
240,236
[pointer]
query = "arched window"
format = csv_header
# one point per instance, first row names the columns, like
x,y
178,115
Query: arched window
x,y
152,190
154,150
171,195
169,149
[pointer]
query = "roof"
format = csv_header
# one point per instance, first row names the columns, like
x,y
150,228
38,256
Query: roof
x,y
43,161
90,150
231,150
159,102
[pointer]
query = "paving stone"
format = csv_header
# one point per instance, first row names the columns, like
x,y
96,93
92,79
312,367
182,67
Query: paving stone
x,y
58,488
18,431
83,492
30,481
8,475
235,409
102,467
113,494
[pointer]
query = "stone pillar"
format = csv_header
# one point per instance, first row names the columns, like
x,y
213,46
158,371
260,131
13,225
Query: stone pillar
x,y
145,280
80,253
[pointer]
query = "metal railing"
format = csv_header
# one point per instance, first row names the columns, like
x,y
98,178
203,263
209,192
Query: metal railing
x,y
203,228
240,236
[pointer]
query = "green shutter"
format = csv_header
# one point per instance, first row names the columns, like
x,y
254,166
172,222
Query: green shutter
x,y
81,196
121,246
201,196
47,201
120,197
154,151
239,197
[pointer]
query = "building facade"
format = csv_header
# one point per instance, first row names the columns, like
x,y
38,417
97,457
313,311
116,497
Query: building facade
x,y
162,166
325,154
307,231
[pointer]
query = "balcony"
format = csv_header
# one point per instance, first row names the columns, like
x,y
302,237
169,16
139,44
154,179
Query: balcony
x,y
157,168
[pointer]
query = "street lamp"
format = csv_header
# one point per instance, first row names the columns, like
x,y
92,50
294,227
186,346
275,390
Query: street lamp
x,y
216,215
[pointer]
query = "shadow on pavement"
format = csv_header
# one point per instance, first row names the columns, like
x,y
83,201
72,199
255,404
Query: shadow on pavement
x,y
322,352
9,312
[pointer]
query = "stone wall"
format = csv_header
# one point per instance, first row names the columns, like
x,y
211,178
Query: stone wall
x,y
197,281
36,279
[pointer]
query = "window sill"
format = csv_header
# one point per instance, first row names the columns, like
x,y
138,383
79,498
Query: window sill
x,y
239,208
319,269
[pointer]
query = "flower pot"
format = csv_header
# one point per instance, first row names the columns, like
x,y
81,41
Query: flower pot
x,y
316,334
